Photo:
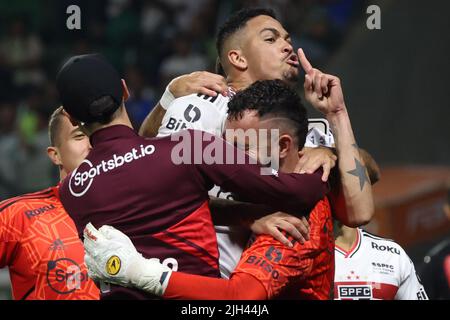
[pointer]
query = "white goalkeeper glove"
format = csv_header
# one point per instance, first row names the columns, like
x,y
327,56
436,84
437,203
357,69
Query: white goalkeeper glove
x,y
111,257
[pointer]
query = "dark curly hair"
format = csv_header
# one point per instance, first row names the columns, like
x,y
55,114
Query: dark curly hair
x,y
271,99
236,22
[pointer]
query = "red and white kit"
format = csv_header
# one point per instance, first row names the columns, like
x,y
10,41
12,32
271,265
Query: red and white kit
x,y
375,268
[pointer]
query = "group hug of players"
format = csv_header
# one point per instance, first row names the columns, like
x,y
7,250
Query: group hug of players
x,y
128,222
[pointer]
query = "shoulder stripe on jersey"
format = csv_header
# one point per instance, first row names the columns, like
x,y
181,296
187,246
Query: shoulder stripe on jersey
x,y
357,248
45,192
25,198
370,235
28,293
208,98
339,250
189,243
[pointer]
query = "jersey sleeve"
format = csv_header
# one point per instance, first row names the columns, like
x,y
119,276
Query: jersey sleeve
x,y
410,286
236,172
193,287
195,111
11,229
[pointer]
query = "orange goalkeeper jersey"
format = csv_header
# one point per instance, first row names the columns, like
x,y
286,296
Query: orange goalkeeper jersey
x,y
305,271
40,245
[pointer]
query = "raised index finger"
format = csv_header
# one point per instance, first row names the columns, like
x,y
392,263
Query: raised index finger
x,y
304,62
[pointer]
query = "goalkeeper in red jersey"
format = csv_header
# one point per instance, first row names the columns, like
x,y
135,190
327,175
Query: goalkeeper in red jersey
x,y
38,240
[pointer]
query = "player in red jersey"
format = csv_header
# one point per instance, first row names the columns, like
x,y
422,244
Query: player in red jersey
x,y
303,271
36,231
253,45
267,268
38,240
164,224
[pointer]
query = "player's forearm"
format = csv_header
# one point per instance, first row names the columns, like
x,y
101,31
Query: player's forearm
x,y
357,207
226,212
192,287
292,193
152,122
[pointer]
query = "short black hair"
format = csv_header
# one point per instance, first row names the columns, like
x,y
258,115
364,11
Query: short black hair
x,y
104,109
272,98
237,21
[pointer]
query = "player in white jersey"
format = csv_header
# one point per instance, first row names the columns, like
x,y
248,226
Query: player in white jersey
x,y
265,53
370,267
374,268
196,111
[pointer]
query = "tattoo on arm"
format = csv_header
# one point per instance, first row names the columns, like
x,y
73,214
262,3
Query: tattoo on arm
x,y
360,172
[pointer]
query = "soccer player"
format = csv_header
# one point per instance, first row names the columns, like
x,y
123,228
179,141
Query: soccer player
x,y
371,267
267,268
155,190
252,45
38,240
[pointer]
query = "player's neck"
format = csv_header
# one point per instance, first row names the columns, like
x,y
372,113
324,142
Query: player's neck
x,y
121,119
289,163
239,83
346,238
62,174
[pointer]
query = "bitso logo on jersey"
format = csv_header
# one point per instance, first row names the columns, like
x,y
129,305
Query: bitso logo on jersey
x,y
113,265
192,117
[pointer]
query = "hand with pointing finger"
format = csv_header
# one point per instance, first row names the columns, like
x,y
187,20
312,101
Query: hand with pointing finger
x,y
322,90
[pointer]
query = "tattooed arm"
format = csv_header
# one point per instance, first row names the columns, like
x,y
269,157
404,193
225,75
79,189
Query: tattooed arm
x,y
351,198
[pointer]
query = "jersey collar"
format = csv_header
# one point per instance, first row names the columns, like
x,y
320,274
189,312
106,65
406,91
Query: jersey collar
x,y
353,249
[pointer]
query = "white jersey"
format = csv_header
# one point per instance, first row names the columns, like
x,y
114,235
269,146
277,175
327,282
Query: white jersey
x,y
197,111
375,268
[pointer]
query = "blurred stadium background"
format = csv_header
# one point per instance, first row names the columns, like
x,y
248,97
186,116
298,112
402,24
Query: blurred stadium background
x,y
394,81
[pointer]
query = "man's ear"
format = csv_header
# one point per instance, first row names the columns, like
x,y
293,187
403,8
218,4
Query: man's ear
x,y
126,92
237,59
53,154
286,143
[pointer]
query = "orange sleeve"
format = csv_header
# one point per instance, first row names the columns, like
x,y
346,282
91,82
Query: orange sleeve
x,y
194,287
11,229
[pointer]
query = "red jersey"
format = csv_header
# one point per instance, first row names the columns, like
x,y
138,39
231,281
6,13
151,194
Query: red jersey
x,y
156,192
305,271
40,245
